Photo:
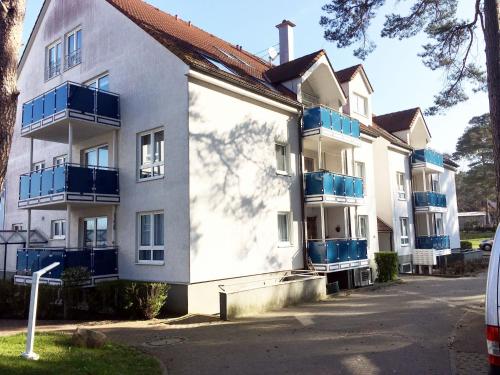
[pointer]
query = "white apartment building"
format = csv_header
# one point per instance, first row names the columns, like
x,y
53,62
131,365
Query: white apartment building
x,y
179,157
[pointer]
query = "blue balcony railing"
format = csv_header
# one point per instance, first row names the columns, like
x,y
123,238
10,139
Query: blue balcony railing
x,y
327,183
322,117
337,250
429,198
433,242
427,156
69,178
74,97
97,261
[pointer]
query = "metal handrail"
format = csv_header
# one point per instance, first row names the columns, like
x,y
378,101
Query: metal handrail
x,y
334,173
70,164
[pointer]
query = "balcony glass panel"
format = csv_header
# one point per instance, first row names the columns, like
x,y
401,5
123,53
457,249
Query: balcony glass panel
x,y
337,250
98,262
429,198
327,183
433,242
322,117
74,97
427,156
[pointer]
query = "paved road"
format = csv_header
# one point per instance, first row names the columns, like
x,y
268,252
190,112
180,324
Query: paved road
x,y
424,326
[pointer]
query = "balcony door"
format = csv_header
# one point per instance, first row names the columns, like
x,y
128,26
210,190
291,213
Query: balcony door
x,y
95,232
97,157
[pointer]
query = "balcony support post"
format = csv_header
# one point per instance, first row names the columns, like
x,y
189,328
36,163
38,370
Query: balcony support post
x,y
31,155
322,217
320,154
424,180
113,225
68,226
28,230
353,163
427,224
115,149
70,142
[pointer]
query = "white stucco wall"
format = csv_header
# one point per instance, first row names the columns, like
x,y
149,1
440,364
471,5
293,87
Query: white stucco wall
x,y
235,192
448,187
358,86
153,89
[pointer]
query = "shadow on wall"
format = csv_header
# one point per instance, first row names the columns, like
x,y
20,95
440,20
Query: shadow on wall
x,y
239,163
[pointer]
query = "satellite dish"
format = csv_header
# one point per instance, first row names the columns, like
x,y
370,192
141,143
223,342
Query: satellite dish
x,y
272,53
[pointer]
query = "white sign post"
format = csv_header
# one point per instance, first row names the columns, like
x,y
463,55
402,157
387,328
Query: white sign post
x,y
35,280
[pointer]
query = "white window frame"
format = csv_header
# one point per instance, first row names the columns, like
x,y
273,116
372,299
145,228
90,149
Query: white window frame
x,y
152,164
17,226
364,218
96,149
152,246
286,171
401,185
360,171
288,216
57,67
59,160
310,160
364,99
95,81
62,227
66,48
38,166
404,224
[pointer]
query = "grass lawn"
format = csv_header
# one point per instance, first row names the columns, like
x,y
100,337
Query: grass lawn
x,y
57,356
476,237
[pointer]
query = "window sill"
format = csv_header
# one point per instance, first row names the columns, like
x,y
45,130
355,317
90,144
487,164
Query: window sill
x,y
150,263
58,238
285,245
402,199
283,173
150,179
405,245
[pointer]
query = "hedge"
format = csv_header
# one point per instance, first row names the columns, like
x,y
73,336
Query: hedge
x,y
465,245
387,264
122,299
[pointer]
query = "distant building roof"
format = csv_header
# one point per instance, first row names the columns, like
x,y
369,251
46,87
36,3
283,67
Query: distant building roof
x,y
382,226
397,121
293,69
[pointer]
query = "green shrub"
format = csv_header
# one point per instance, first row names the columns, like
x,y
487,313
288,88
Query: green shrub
x,y
387,264
145,300
465,245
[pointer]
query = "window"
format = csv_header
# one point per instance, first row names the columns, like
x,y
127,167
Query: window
x,y
439,225
284,228
100,83
360,171
37,167
360,105
17,227
308,164
151,240
58,229
73,48
53,64
435,184
59,160
400,178
95,232
404,231
151,156
97,157
363,227
281,158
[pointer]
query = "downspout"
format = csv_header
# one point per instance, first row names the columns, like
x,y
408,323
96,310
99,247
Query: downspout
x,y
412,203
302,191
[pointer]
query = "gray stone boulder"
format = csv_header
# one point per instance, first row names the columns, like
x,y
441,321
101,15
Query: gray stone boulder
x,y
87,338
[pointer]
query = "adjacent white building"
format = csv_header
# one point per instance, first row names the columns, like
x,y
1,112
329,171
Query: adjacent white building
x,y
172,155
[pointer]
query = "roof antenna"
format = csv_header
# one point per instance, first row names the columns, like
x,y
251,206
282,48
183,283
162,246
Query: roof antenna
x,y
273,54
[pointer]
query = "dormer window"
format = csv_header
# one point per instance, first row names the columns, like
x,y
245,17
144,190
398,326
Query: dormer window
x,y
53,64
73,48
360,105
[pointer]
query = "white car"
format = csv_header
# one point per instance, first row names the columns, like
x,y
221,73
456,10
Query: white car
x,y
492,308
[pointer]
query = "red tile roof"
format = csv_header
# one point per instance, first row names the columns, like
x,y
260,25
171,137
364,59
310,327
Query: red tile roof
x,y
345,75
294,68
388,136
397,121
191,44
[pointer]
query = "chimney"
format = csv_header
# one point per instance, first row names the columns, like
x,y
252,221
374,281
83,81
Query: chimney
x,y
286,41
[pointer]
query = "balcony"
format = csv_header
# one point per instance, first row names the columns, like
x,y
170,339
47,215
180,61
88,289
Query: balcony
x,y
55,187
338,254
91,112
101,263
333,188
433,242
338,129
427,159
429,201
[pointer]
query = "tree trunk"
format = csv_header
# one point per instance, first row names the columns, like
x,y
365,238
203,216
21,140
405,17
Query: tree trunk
x,y
492,42
11,26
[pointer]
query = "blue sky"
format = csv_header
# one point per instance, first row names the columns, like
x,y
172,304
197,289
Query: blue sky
x,y
396,73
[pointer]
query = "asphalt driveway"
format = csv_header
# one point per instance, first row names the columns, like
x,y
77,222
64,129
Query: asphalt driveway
x,y
426,325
